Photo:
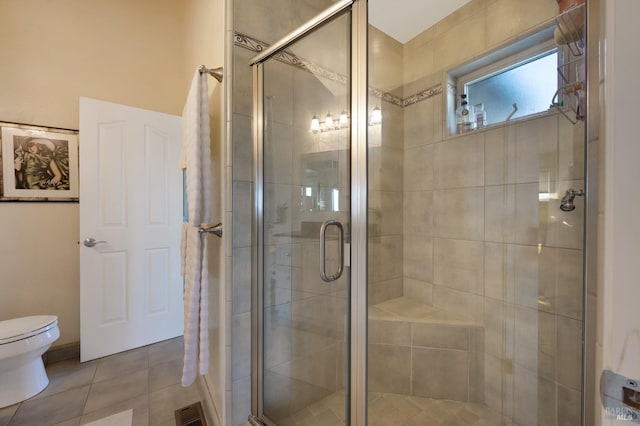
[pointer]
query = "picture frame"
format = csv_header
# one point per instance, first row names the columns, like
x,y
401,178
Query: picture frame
x,y
38,163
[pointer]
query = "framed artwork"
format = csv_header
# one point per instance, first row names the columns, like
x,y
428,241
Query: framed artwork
x,y
38,163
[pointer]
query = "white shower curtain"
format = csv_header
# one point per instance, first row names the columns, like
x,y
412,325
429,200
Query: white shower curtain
x,y
196,159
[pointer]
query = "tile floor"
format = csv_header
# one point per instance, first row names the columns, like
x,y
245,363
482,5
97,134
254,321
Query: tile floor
x,y
146,380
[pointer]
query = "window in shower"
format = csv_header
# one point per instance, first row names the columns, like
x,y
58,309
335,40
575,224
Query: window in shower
x,y
516,91
512,82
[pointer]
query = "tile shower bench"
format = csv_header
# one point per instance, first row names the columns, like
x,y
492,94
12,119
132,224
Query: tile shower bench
x,y
419,350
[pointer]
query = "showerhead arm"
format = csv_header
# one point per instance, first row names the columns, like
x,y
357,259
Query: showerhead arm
x,y
566,204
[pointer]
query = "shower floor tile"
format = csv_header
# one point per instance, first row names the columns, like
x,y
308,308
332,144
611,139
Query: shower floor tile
x,y
387,409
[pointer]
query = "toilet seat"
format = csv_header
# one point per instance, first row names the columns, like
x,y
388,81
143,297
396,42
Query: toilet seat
x,y
22,328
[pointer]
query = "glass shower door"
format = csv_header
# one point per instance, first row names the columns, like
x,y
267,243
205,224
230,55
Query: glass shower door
x,y
303,199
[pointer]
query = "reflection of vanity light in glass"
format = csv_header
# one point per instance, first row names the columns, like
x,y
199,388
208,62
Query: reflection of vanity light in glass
x,y
344,119
315,125
328,121
376,116
330,124
335,200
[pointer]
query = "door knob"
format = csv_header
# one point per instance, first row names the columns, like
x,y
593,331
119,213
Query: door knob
x,y
91,242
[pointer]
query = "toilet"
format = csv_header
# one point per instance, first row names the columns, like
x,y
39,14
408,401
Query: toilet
x,y
22,343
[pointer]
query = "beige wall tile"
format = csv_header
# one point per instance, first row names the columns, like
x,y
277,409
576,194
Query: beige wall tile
x,y
441,374
536,277
316,313
241,345
507,18
441,336
389,368
571,143
500,213
569,353
419,123
241,402
459,162
459,264
256,18
242,148
386,61
385,257
392,125
242,218
465,304
459,213
535,221
242,81
499,271
493,382
387,163
500,152
459,16
278,154
419,291
278,92
459,42
277,329
534,399
241,277
535,342
385,213
570,283
380,291
390,332
418,257
418,209
418,58
418,168
322,375
536,150
569,406
494,327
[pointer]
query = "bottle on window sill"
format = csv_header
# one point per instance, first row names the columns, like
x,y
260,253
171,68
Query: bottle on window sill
x,y
481,116
465,116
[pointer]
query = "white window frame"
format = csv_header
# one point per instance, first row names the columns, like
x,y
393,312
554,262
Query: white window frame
x,y
526,49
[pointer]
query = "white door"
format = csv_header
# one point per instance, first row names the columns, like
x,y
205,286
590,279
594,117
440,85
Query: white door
x,y
131,205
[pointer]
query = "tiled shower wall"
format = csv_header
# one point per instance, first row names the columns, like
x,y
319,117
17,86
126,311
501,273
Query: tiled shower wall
x,y
477,240
455,222
266,20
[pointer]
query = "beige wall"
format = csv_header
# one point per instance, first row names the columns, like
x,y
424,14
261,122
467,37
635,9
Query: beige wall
x,y
120,51
140,53
205,44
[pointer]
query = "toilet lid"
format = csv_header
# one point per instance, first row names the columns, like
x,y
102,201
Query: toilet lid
x,y
21,328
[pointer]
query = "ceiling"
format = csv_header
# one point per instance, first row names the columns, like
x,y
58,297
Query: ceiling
x,y
405,19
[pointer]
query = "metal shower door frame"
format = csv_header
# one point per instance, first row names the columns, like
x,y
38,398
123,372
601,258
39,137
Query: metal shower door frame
x,y
357,407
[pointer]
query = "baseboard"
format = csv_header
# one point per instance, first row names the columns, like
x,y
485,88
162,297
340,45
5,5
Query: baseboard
x,y
62,353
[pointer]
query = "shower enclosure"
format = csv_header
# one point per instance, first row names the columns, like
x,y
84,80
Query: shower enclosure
x,y
407,274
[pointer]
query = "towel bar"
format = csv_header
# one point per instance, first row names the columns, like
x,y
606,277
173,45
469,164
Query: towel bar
x,y
216,73
211,229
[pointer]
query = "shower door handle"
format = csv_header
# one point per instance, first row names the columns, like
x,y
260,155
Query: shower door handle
x,y
323,237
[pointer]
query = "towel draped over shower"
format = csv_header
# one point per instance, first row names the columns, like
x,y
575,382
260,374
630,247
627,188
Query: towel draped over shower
x,y
196,159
